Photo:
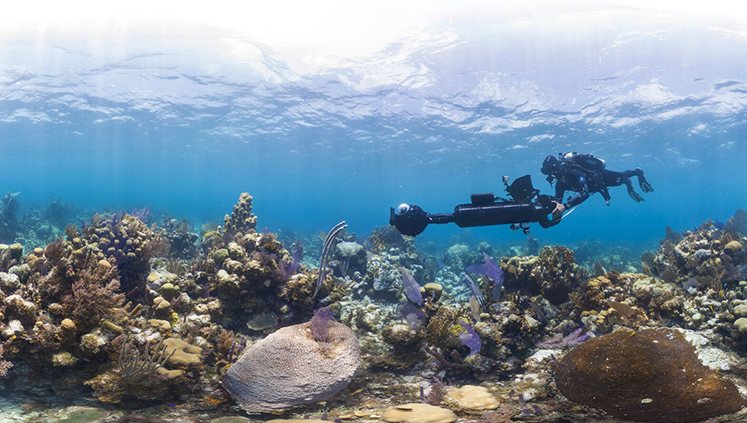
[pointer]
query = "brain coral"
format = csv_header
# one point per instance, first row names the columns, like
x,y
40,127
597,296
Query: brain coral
x,y
289,368
653,375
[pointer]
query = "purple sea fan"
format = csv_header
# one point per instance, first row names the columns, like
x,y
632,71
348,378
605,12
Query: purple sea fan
x,y
469,337
142,214
320,323
414,316
296,256
492,270
412,289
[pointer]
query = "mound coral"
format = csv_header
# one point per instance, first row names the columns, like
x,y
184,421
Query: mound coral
x,y
418,413
653,375
289,368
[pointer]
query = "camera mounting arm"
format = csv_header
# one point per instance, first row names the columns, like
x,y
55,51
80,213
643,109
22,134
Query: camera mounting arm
x,y
484,210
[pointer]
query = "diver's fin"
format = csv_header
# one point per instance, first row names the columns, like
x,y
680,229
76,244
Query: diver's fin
x,y
635,196
645,186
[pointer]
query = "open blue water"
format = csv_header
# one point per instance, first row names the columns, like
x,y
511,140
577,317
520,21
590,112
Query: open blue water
x,y
184,122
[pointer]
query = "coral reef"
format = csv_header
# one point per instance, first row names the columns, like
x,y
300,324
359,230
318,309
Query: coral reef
x,y
136,314
703,257
553,274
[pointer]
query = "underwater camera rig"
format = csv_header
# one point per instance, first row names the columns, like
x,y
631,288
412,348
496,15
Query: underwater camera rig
x,y
525,205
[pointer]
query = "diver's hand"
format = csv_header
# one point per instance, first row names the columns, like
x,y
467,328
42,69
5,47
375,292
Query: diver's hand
x,y
635,196
557,213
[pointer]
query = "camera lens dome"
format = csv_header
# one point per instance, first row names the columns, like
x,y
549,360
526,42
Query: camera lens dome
x,y
402,209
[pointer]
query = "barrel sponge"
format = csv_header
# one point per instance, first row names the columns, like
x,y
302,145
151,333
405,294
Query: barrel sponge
x,y
289,368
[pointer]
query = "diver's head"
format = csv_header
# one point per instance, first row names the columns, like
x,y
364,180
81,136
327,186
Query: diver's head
x,y
550,166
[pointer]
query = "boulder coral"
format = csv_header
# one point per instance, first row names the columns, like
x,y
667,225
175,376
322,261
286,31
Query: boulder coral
x,y
289,368
652,375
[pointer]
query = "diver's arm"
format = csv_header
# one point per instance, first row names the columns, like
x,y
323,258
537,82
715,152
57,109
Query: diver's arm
x,y
579,197
560,189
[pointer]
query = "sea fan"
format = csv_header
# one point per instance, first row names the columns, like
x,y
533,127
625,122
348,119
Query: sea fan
x,y
492,270
414,316
469,337
320,323
412,289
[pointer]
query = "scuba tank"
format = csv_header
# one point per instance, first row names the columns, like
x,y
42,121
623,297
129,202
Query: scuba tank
x,y
586,161
592,166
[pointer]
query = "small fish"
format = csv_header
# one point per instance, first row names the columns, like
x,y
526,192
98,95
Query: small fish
x,y
538,310
492,270
475,290
474,307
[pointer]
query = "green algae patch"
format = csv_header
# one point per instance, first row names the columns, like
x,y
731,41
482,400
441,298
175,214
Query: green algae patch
x,y
82,415
653,375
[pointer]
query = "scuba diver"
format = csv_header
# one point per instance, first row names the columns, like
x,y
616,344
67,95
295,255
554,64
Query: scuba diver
x,y
582,173
585,174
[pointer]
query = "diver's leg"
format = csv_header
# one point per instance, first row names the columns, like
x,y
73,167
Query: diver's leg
x,y
615,179
645,186
618,178
612,178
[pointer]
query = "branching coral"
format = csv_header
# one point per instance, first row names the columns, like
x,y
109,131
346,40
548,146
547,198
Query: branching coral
x,y
4,364
132,367
93,296
553,273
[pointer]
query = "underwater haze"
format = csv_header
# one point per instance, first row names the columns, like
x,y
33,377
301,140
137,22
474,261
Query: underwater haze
x,y
182,120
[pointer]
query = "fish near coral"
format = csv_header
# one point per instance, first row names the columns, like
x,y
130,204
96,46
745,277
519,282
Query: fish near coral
x,y
492,270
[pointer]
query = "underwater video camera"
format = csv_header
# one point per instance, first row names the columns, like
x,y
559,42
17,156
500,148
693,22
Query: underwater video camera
x,y
525,205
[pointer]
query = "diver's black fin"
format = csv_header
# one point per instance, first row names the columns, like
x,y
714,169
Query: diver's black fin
x,y
635,196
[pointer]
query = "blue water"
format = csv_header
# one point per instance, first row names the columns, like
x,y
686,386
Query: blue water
x,y
183,123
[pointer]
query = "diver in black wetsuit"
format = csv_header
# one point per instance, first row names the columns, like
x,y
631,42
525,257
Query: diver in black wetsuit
x,y
585,174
